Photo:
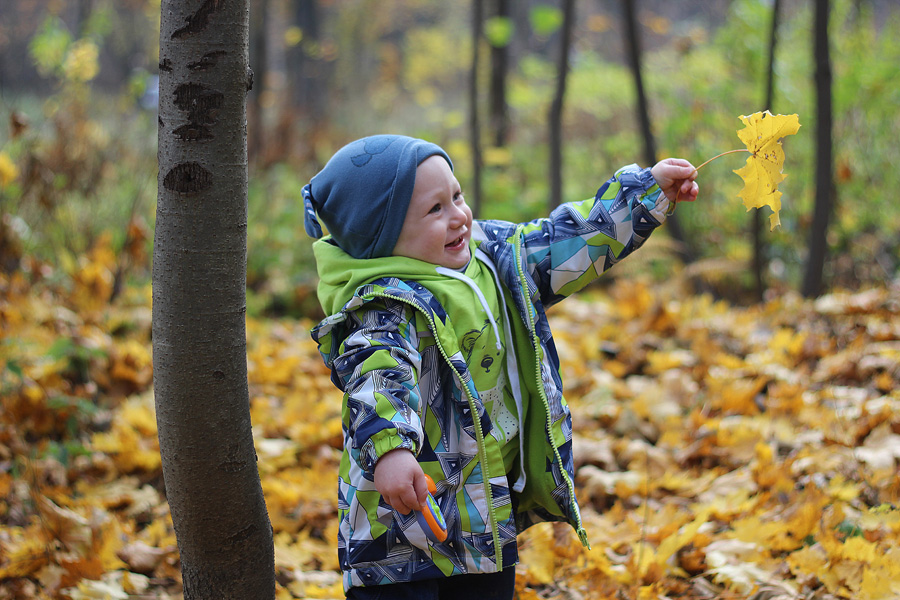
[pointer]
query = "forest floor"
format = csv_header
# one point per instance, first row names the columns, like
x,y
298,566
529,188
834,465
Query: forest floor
x,y
721,451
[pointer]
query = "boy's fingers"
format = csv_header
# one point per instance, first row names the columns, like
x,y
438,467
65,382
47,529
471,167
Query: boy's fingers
x,y
400,506
421,489
679,172
409,500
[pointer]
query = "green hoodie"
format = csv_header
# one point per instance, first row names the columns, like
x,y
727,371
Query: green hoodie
x,y
346,285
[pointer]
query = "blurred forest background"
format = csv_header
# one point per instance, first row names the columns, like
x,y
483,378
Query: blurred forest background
x,y
78,84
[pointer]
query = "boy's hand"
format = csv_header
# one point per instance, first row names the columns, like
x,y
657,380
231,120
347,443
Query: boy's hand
x,y
400,480
675,177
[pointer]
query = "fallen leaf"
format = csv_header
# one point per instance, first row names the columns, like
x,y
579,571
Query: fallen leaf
x,y
142,558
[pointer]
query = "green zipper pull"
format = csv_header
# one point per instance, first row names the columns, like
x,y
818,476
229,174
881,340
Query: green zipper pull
x,y
582,535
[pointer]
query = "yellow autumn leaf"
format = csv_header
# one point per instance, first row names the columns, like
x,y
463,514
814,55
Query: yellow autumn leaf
x,y
8,170
539,557
669,546
763,172
23,556
82,61
808,559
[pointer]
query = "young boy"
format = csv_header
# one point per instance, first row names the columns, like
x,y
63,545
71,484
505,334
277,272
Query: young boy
x,y
438,338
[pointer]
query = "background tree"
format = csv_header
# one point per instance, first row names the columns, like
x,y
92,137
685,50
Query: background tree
x,y
759,245
259,63
500,56
555,118
818,238
308,76
199,304
633,47
474,121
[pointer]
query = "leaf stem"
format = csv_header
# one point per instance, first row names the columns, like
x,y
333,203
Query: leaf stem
x,y
678,193
720,155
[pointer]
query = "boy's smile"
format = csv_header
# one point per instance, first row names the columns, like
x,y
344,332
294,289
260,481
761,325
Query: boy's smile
x,y
438,223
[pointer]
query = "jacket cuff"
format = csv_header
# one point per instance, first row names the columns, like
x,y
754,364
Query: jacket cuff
x,y
641,181
379,445
635,178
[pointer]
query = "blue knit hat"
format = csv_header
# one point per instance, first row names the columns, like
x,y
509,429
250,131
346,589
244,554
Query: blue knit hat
x,y
362,194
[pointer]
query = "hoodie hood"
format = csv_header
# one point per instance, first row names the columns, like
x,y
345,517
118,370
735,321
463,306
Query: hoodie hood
x,y
341,275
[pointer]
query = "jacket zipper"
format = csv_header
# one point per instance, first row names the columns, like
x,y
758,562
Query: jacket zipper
x,y
536,345
479,435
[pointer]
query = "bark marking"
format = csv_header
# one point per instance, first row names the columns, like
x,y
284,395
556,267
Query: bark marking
x,y
187,179
202,105
199,20
208,61
240,537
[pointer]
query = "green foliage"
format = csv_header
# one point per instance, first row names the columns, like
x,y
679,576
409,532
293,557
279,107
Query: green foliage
x,y
545,19
76,412
58,54
67,450
695,113
499,31
78,357
50,46
422,75
80,176
280,267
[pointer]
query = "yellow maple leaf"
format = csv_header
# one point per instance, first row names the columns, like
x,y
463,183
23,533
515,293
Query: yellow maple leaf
x,y
764,169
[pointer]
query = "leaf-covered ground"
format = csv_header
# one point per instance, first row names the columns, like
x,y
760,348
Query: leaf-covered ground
x,y
722,452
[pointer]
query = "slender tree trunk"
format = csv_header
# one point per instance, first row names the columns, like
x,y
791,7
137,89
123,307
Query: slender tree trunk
x,y
259,62
634,54
499,116
199,304
83,15
818,244
759,245
304,69
474,124
555,118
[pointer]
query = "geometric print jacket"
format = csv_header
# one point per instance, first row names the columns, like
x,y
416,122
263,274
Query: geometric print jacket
x,y
394,354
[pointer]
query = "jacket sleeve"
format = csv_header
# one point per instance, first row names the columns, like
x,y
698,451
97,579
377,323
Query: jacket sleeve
x,y
581,240
378,368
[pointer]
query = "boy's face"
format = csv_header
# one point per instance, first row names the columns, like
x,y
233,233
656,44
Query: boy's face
x,y
438,223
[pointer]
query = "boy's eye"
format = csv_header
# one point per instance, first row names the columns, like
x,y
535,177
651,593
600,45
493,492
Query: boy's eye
x,y
435,208
458,197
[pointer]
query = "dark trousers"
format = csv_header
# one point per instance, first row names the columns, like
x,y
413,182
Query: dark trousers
x,y
484,586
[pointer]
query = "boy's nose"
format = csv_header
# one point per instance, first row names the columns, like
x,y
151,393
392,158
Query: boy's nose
x,y
458,217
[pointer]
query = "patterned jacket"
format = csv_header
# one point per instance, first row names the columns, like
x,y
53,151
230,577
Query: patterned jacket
x,y
394,353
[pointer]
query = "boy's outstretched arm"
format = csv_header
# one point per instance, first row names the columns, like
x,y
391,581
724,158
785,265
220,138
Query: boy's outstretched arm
x,y
675,177
580,240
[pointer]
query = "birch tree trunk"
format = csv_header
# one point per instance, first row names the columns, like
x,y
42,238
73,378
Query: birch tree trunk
x,y
199,297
